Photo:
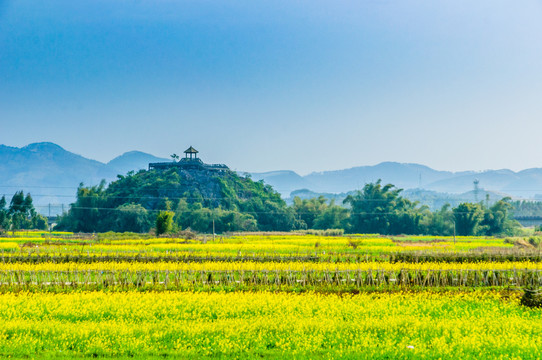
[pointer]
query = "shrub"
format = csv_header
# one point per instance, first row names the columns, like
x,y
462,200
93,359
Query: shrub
x,y
164,222
531,298
534,241
328,232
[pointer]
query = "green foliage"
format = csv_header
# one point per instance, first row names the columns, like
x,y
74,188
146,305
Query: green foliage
x,y
21,204
316,213
4,218
531,298
132,218
309,209
467,218
233,203
332,217
202,219
380,209
21,213
164,222
39,222
89,213
440,222
525,208
196,197
535,241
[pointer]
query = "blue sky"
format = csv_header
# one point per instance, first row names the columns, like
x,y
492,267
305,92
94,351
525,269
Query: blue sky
x,y
267,85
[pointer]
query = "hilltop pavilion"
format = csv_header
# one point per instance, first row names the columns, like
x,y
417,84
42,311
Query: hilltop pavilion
x,y
189,162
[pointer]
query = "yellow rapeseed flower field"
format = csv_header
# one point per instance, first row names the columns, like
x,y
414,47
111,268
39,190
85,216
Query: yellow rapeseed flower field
x,y
381,325
136,307
266,266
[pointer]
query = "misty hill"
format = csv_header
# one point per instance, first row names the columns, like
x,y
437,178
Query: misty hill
x,y
51,174
132,161
283,181
402,175
46,170
522,184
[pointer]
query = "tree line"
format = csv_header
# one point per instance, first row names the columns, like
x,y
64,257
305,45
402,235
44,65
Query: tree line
x,y
381,209
245,205
168,202
20,214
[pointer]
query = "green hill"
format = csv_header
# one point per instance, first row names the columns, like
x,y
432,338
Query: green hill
x,y
195,196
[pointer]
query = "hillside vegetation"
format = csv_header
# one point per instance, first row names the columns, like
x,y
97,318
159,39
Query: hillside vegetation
x,y
132,202
209,201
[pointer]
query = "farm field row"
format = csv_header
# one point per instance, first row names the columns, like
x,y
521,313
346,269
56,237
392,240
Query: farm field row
x,y
469,325
205,266
324,281
246,244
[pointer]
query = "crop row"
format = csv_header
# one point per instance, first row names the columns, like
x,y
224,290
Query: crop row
x,y
33,257
266,266
300,279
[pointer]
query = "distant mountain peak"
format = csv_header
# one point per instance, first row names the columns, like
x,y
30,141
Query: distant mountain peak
x,y
133,152
135,155
133,160
43,146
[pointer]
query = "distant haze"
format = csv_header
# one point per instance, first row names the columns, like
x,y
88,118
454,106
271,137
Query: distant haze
x,y
269,85
51,174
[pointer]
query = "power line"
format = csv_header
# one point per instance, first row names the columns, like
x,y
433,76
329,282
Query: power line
x,y
171,189
247,212
135,197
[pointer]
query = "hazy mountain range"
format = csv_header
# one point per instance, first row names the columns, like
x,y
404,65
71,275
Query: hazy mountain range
x,y
522,184
51,174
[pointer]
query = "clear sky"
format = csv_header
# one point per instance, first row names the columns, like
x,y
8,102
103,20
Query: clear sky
x,y
267,85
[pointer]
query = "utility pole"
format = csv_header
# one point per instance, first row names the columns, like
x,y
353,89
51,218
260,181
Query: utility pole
x,y
213,224
212,206
454,233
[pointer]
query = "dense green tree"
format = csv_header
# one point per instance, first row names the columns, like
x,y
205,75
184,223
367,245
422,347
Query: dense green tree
x,y
440,222
381,209
90,212
525,208
307,210
202,220
4,218
332,217
19,212
164,222
133,218
39,222
496,219
22,214
21,204
467,218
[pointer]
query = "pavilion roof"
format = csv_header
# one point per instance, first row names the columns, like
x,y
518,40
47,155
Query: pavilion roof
x,y
191,150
